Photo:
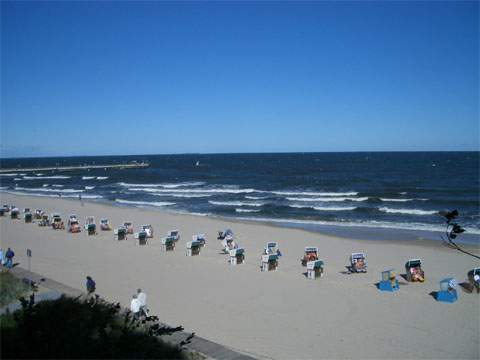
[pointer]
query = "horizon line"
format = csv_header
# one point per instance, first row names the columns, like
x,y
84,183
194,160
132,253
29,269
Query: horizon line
x,y
243,153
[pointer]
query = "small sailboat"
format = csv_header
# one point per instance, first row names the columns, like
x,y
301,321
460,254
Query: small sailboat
x,y
197,163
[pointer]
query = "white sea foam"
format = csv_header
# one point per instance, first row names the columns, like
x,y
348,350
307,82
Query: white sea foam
x,y
329,199
57,186
3,187
146,203
395,200
408,211
235,203
403,193
88,177
49,190
46,177
89,187
324,208
195,191
10,174
184,195
39,174
45,185
102,177
246,210
54,195
307,193
369,224
165,185
17,179
256,197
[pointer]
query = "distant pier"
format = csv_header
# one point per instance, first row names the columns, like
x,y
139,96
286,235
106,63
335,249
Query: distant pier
x,y
79,167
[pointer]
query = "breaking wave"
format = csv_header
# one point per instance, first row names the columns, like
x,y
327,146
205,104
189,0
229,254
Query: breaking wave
x,y
235,203
246,210
147,203
329,199
50,190
307,193
166,186
46,177
408,211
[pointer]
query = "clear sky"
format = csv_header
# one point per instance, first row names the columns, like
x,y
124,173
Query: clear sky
x,y
95,78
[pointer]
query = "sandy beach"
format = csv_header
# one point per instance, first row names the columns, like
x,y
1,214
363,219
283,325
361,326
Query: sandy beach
x,y
278,314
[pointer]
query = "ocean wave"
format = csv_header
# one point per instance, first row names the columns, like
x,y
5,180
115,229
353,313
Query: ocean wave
x,y
17,179
408,211
147,203
246,210
54,195
235,203
307,193
195,191
56,185
102,177
328,199
256,197
89,187
395,200
88,177
368,224
10,174
184,195
46,177
3,187
164,185
324,208
49,190
45,185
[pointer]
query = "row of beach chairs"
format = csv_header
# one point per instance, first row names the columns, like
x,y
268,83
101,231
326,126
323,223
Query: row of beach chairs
x,y
269,259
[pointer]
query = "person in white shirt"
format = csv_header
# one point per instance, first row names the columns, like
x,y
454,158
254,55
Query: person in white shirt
x,y
135,307
142,298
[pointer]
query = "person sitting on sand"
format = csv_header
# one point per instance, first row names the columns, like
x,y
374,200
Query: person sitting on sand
x,y
135,307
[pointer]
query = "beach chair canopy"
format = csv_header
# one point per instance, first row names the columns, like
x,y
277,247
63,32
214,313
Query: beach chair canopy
x,y
310,249
127,223
237,252
173,232
142,234
193,244
25,210
357,256
104,221
269,258
198,237
447,283
473,272
387,274
168,240
90,219
413,263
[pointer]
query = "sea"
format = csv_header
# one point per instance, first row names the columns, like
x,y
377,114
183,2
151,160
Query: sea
x,y
365,195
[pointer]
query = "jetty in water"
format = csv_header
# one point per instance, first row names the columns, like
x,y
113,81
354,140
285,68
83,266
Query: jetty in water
x,y
133,165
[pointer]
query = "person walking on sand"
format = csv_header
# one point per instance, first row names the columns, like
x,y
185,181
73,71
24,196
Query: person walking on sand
x,y
142,298
2,261
9,255
135,307
91,287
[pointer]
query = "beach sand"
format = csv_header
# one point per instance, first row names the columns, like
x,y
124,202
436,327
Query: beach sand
x,y
277,314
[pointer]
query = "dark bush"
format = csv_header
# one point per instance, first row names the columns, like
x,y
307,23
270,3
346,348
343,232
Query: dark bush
x,y
73,328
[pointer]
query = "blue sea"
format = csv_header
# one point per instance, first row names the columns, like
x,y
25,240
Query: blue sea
x,y
377,195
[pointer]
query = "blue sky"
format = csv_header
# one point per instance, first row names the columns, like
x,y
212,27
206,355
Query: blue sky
x,y
97,78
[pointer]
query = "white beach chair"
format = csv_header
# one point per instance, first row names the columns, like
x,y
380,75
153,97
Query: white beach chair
x,y
192,248
237,256
168,243
269,262
315,269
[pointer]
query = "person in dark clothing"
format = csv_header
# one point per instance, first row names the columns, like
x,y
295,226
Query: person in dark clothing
x,y
9,256
90,287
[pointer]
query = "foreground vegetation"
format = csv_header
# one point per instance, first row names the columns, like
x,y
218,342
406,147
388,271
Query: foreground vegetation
x,y
74,328
11,288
